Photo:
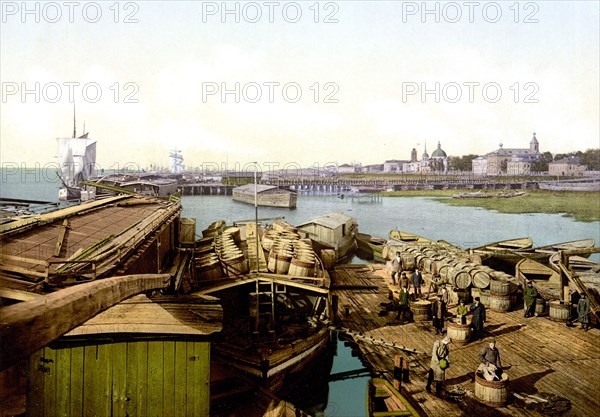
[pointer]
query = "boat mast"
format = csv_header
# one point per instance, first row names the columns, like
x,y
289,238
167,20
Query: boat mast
x,y
256,213
74,124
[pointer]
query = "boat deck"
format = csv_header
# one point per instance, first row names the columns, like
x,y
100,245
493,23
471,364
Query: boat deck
x,y
543,358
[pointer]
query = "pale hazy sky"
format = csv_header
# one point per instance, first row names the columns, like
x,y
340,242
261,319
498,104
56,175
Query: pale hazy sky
x,y
502,70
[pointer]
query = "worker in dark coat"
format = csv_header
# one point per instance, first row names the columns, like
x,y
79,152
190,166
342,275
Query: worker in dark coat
x,y
417,282
583,312
478,319
438,313
530,295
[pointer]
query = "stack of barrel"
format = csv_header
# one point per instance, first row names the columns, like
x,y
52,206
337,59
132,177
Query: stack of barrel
x,y
502,296
281,252
214,229
303,260
206,262
232,258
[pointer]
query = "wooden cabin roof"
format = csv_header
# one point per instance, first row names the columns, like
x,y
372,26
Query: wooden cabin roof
x,y
330,220
35,246
161,315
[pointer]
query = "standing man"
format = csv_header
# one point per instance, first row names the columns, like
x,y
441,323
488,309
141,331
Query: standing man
x,y
433,285
478,319
396,268
490,364
583,312
417,282
438,312
402,303
530,294
439,363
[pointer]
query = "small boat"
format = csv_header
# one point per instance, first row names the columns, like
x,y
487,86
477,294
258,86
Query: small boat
x,y
335,231
505,245
383,400
541,254
265,195
371,246
400,236
545,279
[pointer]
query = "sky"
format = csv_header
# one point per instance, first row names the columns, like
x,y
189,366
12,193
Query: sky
x,y
296,83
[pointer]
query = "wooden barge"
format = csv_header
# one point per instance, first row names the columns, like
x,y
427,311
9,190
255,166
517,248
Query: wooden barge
x,y
265,195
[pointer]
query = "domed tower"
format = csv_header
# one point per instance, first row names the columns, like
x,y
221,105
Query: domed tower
x,y
534,146
439,152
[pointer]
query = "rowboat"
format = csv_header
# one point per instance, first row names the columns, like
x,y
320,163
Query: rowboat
x,y
371,246
545,279
383,400
505,245
541,254
400,236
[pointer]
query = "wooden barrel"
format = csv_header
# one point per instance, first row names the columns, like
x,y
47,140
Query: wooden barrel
x,y
428,264
500,302
559,311
540,306
502,287
301,267
421,310
484,297
235,265
408,261
235,234
419,260
459,275
457,294
459,333
492,393
329,258
480,277
209,269
279,264
443,270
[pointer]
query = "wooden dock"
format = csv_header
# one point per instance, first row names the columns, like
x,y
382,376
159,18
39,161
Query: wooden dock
x,y
543,358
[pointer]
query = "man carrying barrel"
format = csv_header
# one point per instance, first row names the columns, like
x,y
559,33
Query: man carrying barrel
x,y
490,365
478,319
530,295
396,268
417,282
439,363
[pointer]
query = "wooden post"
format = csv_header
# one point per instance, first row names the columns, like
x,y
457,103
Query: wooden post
x,y
398,367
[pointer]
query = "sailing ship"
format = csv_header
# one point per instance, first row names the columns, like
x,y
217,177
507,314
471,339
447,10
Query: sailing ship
x,y
77,159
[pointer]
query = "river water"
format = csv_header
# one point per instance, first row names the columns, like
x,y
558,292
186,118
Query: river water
x,y
426,216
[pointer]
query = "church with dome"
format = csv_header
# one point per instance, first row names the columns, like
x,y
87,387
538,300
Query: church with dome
x,y
437,162
508,161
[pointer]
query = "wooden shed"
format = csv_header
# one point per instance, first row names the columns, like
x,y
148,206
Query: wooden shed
x,y
141,357
332,231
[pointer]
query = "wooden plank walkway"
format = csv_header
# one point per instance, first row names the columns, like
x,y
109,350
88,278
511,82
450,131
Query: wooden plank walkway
x,y
542,357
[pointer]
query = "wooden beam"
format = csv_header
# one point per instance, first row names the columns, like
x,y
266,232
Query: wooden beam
x,y
29,326
18,294
61,237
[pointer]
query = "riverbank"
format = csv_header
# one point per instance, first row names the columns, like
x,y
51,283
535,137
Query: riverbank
x,y
582,206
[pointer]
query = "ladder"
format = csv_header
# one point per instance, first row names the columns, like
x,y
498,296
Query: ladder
x,y
265,306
